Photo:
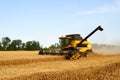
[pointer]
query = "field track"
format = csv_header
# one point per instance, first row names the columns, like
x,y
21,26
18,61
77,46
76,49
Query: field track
x,y
28,65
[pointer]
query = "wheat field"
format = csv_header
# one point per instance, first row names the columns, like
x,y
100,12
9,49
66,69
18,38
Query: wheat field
x,y
28,65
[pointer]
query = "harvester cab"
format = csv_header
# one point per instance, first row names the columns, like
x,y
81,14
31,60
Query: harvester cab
x,y
69,41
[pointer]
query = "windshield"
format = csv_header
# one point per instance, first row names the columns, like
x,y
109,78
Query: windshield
x,y
64,42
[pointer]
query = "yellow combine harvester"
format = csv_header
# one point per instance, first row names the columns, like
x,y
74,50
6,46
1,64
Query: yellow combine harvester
x,y
73,46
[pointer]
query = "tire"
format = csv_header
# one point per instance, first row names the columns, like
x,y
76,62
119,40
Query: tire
x,y
69,55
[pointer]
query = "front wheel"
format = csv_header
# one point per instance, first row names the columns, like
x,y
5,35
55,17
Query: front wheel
x,y
69,55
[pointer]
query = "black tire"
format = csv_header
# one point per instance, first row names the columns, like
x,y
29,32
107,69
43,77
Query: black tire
x,y
70,53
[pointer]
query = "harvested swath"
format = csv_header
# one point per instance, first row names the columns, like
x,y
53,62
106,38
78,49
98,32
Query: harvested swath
x,y
10,55
27,61
25,57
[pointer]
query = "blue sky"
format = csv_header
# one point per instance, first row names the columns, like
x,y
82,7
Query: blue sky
x,y
46,20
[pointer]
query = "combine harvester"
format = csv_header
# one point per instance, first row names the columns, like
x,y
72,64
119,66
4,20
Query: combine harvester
x,y
73,46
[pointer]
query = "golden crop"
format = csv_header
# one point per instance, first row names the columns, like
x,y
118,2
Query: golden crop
x,y
28,65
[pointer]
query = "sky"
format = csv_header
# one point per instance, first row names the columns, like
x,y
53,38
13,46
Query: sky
x,y
46,20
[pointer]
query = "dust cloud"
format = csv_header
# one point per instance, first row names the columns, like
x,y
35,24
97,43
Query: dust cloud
x,y
106,49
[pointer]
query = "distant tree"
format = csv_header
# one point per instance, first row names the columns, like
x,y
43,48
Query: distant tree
x,y
32,45
54,46
23,46
16,44
5,42
45,48
1,46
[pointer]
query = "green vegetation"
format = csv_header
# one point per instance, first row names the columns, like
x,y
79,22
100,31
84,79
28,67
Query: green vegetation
x,y
8,44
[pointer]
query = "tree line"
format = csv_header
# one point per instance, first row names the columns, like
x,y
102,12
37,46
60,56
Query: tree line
x,y
6,44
